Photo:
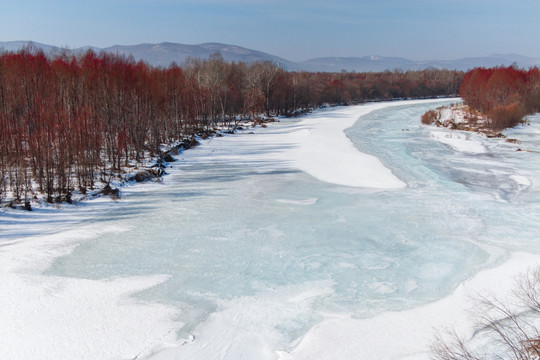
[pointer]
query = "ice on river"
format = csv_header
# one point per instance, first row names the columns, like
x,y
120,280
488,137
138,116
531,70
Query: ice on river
x,y
270,246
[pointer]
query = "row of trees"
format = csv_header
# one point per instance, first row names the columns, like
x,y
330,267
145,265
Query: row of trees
x,y
68,122
504,94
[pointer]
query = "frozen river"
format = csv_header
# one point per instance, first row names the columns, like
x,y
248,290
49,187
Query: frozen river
x,y
293,242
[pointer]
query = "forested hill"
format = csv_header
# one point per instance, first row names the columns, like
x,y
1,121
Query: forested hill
x,y
165,53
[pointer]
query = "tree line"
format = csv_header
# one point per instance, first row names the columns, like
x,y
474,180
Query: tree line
x,y
504,94
69,122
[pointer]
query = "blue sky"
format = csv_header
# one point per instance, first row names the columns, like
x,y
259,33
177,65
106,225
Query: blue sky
x,y
294,29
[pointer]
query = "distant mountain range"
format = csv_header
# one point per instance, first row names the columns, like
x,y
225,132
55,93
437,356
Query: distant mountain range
x,y
164,54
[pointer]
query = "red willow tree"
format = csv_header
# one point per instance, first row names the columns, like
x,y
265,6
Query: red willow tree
x,y
504,94
68,122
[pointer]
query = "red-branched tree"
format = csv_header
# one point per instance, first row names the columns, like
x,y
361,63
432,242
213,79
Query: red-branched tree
x,y
504,94
70,121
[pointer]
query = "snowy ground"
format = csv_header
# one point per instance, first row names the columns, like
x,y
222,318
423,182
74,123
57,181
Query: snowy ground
x,y
323,151
409,334
49,317
460,140
46,317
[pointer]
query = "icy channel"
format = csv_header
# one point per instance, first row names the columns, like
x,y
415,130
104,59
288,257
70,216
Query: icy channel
x,y
264,246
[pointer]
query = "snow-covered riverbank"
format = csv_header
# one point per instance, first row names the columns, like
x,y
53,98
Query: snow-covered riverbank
x,y
59,317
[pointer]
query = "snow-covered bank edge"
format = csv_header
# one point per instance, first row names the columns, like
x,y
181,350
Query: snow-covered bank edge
x,y
409,334
326,153
459,141
51,317
323,150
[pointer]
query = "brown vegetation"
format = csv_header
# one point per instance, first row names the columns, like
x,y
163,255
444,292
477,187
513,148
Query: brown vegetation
x,y
431,117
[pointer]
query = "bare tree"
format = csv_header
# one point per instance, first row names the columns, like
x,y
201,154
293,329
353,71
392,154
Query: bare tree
x,y
510,326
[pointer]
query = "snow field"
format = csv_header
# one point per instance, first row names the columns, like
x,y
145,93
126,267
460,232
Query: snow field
x,y
409,334
48,317
460,141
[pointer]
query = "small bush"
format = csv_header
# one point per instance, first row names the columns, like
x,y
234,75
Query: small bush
x,y
114,193
503,117
430,117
